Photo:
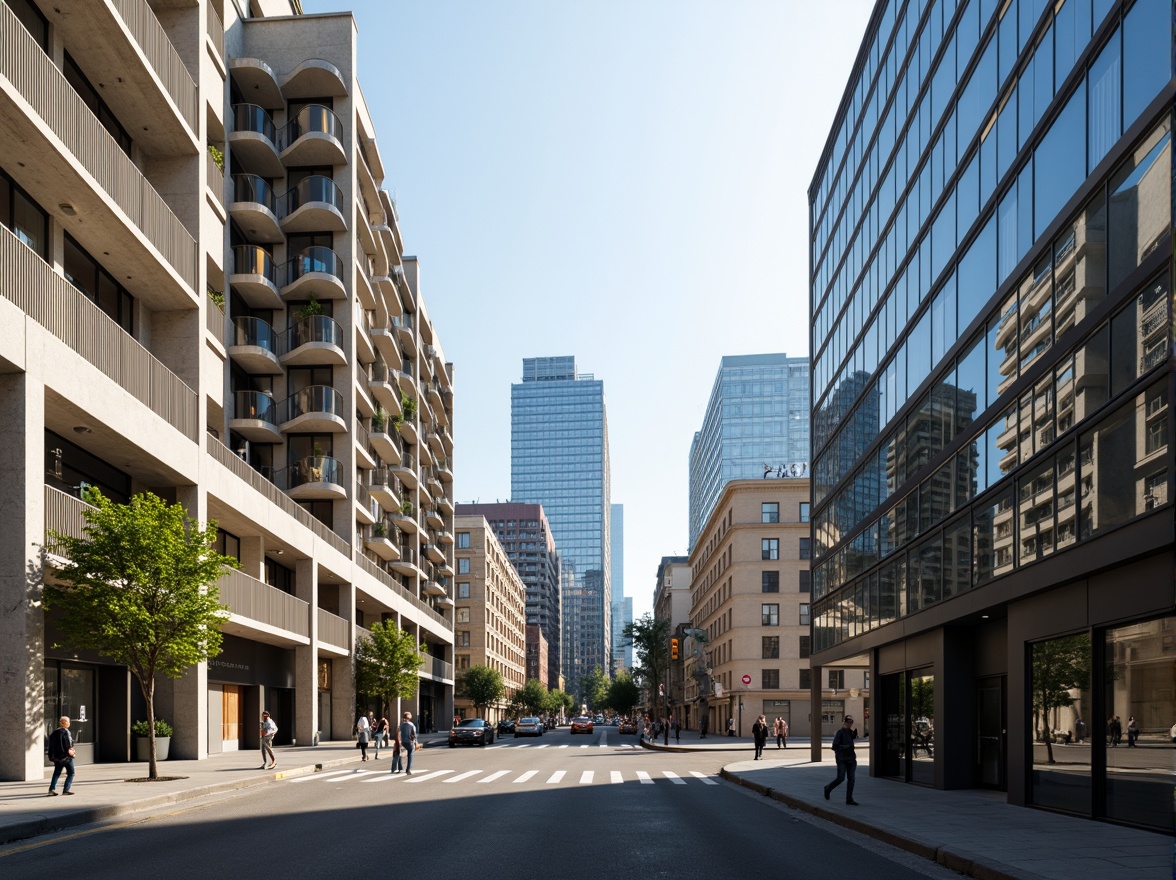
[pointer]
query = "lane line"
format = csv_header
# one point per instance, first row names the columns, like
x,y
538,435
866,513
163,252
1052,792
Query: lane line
x,y
460,776
526,776
556,777
673,777
586,777
644,777
616,777
417,778
707,780
494,776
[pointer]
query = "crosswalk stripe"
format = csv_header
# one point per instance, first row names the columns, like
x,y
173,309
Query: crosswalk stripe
x,y
460,776
583,747
644,777
358,774
317,777
564,746
494,776
673,777
542,746
526,776
705,779
616,777
556,777
586,777
523,745
386,777
416,777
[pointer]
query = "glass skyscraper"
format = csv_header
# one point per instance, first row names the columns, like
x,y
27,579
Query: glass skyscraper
x,y
756,424
622,605
991,269
559,458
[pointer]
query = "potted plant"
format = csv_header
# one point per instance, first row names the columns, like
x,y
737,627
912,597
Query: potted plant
x,y
379,420
312,308
409,405
406,508
142,734
380,529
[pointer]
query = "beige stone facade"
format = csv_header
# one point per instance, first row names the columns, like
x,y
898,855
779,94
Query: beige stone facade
x,y
490,626
750,594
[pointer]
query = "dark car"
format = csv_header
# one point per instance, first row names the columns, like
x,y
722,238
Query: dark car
x,y
471,732
506,725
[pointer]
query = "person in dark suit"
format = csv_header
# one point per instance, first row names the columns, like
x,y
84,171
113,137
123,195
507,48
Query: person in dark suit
x,y
61,753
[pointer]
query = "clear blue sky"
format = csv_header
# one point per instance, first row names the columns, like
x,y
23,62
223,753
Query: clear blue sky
x,y
621,181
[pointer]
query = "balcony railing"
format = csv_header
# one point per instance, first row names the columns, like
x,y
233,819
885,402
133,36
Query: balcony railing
x,y
255,405
439,668
333,629
312,469
315,188
216,29
254,331
256,600
315,328
313,118
387,580
216,179
59,307
314,399
251,188
249,259
214,317
250,117
313,259
51,97
63,513
162,56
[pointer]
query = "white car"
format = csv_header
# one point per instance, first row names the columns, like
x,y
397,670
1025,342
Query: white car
x,y
529,726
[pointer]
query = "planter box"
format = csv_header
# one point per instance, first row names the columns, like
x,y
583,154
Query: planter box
x,y
143,748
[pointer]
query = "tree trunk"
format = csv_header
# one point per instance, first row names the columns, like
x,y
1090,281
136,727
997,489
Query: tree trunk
x,y
149,695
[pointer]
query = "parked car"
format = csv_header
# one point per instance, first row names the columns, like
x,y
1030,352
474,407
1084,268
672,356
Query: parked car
x,y
506,725
582,724
549,723
529,726
471,732
628,726
599,719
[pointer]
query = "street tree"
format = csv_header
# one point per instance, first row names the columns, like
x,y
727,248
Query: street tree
x,y
623,694
650,639
386,664
482,686
531,697
1060,666
595,689
140,587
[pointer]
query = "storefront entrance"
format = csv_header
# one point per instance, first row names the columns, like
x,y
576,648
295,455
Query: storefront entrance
x,y
907,701
70,690
991,727
230,718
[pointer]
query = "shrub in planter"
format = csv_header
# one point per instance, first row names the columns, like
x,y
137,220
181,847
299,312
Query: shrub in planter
x,y
142,733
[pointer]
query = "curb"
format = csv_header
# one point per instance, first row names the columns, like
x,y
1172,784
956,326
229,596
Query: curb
x,y
658,747
48,824
962,861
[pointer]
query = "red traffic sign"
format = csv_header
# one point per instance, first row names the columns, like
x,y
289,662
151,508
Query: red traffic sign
x,y
747,679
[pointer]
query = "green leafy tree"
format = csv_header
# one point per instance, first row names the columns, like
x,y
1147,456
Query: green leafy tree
x,y
553,702
650,638
482,686
386,664
531,697
623,694
594,686
1060,666
140,588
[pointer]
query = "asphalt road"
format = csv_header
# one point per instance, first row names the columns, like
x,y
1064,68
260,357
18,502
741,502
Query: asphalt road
x,y
560,805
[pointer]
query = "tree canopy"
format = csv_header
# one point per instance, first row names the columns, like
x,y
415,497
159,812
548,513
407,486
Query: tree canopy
x,y
531,698
140,588
594,686
623,694
387,662
650,638
482,686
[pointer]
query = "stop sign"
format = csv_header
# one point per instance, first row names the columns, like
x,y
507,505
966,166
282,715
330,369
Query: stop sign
x,y
747,679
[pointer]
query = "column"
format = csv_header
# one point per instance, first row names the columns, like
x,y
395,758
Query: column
x,y
306,695
343,678
22,531
183,702
815,714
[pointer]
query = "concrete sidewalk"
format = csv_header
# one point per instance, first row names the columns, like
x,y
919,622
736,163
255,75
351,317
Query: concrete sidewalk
x,y
103,792
974,832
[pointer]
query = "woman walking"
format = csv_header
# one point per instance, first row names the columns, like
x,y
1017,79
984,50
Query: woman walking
x,y
363,730
759,732
381,732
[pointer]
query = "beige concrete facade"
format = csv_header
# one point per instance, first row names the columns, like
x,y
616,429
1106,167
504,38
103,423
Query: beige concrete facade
x,y
121,371
671,603
749,593
490,626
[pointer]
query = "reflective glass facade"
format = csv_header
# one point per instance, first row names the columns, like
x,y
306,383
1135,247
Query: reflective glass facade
x,y
559,458
756,424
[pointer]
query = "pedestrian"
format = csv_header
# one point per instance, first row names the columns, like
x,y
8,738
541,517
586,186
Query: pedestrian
x,y
666,731
406,738
846,760
1114,731
363,729
730,727
268,729
61,753
779,728
704,726
1132,732
1079,730
677,732
381,733
397,750
759,733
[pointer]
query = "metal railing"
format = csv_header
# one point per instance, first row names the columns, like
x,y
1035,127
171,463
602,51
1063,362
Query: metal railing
x,y
333,629
315,188
312,399
251,188
311,469
162,56
251,117
63,310
254,331
256,600
255,405
311,329
216,179
215,29
311,119
438,668
318,259
273,494
250,259
51,97
63,513
214,318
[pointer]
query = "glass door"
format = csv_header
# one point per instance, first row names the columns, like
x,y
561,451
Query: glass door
x,y
990,733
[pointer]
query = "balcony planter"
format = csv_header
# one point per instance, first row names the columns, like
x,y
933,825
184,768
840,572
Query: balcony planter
x,y
163,735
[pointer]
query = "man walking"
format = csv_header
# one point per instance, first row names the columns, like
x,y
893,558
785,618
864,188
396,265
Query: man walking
x,y
61,753
268,729
408,742
759,732
846,760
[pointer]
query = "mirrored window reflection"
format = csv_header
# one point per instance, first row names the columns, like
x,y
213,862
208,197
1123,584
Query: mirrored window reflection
x,y
992,538
922,728
1066,531
1060,695
1035,510
957,558
1139,335
1036,312
1002,348
1140,204
1141,693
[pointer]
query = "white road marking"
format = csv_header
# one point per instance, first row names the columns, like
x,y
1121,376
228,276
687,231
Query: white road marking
x,y
386,777
494,776
556,777
318,776
358,774
644,777
543,746
583,747
673,777
586,777
416,777
616,777
526,776
706,779
564,746
460,776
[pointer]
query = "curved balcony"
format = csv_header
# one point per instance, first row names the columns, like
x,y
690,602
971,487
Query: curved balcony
x,y
406,564
446,505
432,588
382,486
316,339
404,377
380,383
384,443
314,204
255,277
384,338
255,417
255,208
314,77
313,137
433,552
378,538
316,408
433,518
366,509
444,537
406,522
408,430
444,472
434,440
316,271
434,485
405,472
405,332
314,478
433,391
365,352
253,141
254,346
257,79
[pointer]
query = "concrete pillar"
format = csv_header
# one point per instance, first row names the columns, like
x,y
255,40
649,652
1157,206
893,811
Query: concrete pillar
x,y
343,712
306,720
253,556
22,621
184,702
815,713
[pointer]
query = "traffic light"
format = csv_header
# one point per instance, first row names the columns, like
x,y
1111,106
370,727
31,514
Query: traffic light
x,y
673,649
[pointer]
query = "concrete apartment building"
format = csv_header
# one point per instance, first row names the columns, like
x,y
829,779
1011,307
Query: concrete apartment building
x,y
311,417
749,591
490,616
671,603
525,534
537,655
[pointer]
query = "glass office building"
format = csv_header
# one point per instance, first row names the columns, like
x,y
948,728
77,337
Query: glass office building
x,y
622,606
990,277
559,458
756,425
